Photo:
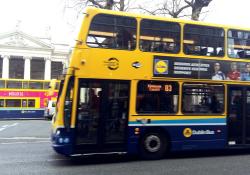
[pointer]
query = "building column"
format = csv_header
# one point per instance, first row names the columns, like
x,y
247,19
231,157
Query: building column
x,y
27,67
47,70
5,69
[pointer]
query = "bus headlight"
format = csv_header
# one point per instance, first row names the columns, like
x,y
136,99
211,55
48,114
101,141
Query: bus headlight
x,y
58,132
66,140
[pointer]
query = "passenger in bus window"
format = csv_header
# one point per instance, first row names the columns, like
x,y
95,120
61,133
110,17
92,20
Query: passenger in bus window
x,y
215,105
218,74
245,76
124,39
234,74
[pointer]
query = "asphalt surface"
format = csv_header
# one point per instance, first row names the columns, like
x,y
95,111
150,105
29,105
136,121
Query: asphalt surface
x,y
25,149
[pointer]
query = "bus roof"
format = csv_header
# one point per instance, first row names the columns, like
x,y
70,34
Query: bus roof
x,y
93,10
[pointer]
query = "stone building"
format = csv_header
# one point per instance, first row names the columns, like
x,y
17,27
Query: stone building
x,y
23,56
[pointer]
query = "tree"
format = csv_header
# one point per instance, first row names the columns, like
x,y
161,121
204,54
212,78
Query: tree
x,y
120,5
178,8
197,6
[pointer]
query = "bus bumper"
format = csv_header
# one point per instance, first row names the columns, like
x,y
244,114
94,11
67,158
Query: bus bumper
x,y
62,141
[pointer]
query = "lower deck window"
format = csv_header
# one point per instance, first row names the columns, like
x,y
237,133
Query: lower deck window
x,y
203,98
31,103
13,103
1,102
157,97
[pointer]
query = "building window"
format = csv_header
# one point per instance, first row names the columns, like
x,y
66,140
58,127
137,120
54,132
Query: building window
x,y
203,40
238,44
37,68
56,69
114,32
202,98
158,97
159,36
16,67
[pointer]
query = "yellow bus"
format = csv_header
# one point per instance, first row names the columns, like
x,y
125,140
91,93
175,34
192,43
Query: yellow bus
x,y
148,85
24,98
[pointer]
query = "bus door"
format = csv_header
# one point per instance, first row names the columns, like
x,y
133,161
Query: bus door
x,y
238,115
102,116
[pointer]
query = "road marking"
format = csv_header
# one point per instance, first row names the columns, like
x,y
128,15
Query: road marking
x,y
24,138
13,143
7,126
52,160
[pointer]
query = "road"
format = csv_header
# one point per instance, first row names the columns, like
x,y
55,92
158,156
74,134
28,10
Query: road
x,y
25,149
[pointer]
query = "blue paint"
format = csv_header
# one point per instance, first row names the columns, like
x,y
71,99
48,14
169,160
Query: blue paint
x,y
21,113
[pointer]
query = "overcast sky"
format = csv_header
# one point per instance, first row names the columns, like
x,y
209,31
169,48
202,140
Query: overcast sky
x,y
38,15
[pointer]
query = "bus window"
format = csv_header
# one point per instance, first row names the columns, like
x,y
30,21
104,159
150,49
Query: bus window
x,y
114,32
68,103
203,98
46,85
13,102
1,102
57,85
2,83
24,103
157,97
203,40
14,84
31,103
159,36
25,85
36,85
238,44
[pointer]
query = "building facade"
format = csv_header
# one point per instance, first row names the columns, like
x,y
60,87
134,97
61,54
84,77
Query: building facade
x,y
23,56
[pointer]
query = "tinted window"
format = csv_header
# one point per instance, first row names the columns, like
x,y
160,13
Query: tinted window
x,y
2,83
203,40
115,32
159,36
46,85
31,103
157,97
238,44
24,103
13,103
36,85
203,98
14,84
1,102
68,103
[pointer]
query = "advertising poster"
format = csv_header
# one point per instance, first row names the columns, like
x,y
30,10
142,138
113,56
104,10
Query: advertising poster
x,y
200,69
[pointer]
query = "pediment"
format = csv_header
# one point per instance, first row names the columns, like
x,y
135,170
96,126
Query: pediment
x,y
22,40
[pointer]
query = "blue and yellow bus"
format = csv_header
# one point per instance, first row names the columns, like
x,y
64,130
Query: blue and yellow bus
x,y
148,85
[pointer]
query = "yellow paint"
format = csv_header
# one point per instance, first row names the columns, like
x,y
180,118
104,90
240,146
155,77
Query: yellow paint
x,y
96,65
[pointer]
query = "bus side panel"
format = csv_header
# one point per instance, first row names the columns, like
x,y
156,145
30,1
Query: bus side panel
x,y
183,137
21,113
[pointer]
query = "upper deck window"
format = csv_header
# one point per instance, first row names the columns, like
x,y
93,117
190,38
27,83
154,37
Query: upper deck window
x,y
203,40
238,44
114,32
159,36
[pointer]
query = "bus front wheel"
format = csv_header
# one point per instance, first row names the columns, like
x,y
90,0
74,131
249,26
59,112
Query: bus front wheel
x,y
153,145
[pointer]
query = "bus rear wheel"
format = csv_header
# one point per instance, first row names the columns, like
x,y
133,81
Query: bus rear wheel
x,y
153,145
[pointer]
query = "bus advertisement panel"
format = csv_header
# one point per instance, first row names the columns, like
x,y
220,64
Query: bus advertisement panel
x,y
175,67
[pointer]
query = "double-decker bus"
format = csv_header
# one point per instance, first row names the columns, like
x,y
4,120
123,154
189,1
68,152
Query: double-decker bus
x,y
148,85
24,98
